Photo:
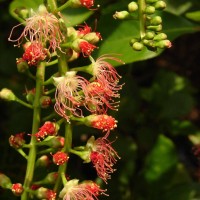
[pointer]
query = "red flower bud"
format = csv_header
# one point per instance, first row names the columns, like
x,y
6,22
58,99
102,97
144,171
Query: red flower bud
x,y
17,189
17,141
60,158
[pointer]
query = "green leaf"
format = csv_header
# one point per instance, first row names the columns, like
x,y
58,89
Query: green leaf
x,y
75,16
161,159
119,33
195,16
17,5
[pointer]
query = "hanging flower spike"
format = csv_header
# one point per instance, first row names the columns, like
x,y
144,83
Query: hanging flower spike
x,y
70,93
34,53
103,157
42,27
75,191
48,129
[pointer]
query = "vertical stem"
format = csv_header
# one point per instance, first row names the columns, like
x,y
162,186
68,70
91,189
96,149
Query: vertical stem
x,y
52,5
142,17
62,63
36,123
66,148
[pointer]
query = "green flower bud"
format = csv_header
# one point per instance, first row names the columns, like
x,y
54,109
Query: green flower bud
x,y
133,41
121,15
156,20
45,101
155,28
30,95
22,65
7,94
160,36
160,5
5,181
151,1
92,37
132,7
150,10
163,44
149,35
148,43
137,46
43,161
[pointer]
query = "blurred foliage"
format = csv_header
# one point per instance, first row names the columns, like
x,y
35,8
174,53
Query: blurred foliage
x,y
159,110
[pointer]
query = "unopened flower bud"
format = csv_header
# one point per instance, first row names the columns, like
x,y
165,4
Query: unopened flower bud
x,y
22,65
92,37
17,189
155,28
50,178
151,1
45,101
54,142
7,95
30,95
160,36
133,40
150,10
138,46
163,44
132,7
149,35
71,33
60,158
17,141
102,122
43,161
160,5
5,182
44,193
121,15
156,20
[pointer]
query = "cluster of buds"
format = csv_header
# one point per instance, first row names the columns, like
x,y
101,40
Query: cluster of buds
x,y
83,40
151,31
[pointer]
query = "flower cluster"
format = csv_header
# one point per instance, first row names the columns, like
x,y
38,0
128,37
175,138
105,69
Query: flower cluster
x,y
77,99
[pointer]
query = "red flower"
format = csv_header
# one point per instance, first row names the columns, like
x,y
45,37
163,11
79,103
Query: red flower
x,y
103,157
70,93
86,48
102,122
75,191
87,3
48,129
34,53
60,158
100,98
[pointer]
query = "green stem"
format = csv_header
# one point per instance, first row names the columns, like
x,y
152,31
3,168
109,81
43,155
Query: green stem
x,y
62,168
36,123
23,103
62,63
52,62
142,17
65,5
52,5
